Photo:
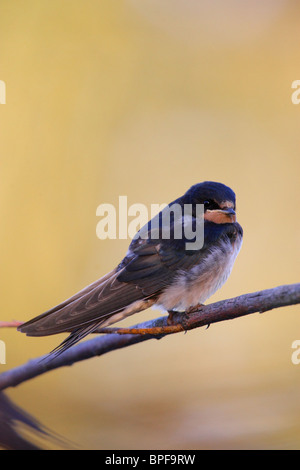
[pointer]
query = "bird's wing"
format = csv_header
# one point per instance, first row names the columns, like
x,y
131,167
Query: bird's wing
x,y
141,275
102,299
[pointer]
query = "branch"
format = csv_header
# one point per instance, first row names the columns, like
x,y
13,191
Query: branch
x,y
118,338
10,324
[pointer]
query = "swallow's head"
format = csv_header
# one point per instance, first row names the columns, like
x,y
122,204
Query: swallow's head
x,y
218,201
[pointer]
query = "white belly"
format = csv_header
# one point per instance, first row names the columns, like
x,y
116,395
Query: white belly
x,y
202,281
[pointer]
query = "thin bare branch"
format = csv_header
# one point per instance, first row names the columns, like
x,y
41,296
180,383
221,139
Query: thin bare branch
x,y
10,324
118,338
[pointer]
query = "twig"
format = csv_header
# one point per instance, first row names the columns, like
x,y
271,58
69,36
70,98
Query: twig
x,y
118,338
10,324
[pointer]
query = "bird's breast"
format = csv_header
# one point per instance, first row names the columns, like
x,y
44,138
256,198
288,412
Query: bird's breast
x,y
195,286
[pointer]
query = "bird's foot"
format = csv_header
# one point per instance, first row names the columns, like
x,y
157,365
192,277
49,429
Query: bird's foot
x,y
170,319
174,313
180,317
194,309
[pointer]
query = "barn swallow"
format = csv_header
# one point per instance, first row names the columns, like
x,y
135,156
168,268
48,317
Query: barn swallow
x,y
155,271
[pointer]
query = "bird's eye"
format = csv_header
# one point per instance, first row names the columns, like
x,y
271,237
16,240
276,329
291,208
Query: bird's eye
x,y
209,204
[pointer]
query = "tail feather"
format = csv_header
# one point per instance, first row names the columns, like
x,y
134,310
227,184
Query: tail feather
x,y
76,336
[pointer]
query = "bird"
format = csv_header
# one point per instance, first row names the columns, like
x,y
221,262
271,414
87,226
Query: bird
x,y
167,272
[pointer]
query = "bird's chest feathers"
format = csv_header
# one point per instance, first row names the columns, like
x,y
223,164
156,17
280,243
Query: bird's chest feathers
x,y
203,280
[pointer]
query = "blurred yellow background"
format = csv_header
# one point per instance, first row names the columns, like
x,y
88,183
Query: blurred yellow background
x,y
145,98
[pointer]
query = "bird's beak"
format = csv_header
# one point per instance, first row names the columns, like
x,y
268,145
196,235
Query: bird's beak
x,y
226,215
229,211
